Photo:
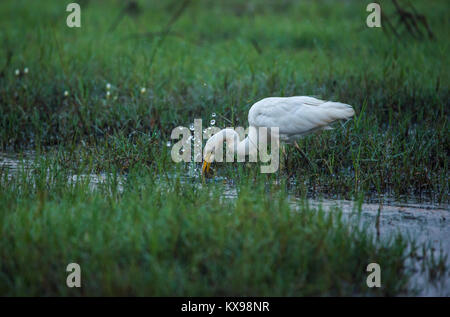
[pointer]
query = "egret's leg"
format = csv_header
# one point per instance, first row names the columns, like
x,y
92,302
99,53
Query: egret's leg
x,y
304,155
283,156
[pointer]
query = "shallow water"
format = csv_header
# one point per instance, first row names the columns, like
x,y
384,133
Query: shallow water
x,y
424,222
429,224
14,162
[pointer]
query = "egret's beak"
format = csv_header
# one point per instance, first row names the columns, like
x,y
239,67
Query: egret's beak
x,y
206,165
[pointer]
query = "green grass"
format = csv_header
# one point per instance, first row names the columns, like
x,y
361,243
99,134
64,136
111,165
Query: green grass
x,y
208,62
178,238
159,237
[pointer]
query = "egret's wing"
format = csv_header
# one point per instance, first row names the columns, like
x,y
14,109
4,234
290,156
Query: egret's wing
x,y
297,115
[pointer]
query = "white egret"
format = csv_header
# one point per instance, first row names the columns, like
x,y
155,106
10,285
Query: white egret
x,y
295,117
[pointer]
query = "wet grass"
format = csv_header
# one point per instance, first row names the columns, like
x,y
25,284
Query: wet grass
x,y
173,238
161,237
232,56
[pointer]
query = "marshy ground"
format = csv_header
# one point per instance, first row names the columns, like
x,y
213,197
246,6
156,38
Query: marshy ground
x,y
86,174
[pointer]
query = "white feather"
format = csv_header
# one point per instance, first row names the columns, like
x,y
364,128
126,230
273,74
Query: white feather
x,y
297,116
293,116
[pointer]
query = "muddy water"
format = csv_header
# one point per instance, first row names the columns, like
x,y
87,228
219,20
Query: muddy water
x,y
425,222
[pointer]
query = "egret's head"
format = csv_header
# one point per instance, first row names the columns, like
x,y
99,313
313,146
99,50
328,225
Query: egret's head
x,y
208,154
216,142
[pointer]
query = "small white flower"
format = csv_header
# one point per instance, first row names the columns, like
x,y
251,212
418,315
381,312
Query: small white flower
x,y
17,72
108,86
66,93
143,89
25,70
108,94
213,122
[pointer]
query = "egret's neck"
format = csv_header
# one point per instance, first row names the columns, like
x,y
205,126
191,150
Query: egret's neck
x,y
249,144
241,148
